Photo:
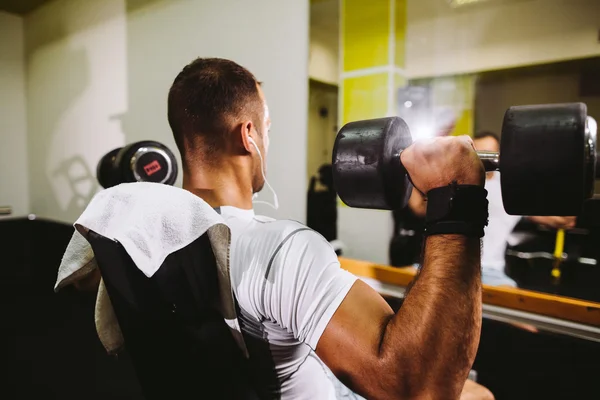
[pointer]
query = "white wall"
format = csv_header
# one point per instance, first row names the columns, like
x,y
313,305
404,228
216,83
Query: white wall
x,y
324,42
324,54
99,73
76,71
14,190
498,34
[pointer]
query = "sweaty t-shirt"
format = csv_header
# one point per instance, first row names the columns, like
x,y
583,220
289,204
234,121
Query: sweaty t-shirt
x,y
288,284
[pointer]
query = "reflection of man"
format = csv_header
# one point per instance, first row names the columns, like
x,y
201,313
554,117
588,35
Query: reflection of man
x,y
409,223
321,205
500,223
497,232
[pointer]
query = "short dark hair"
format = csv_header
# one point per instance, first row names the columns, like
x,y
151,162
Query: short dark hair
x,y
204,100
486,134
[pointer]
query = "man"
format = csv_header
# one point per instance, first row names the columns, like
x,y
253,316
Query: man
x,y
501,224
299,310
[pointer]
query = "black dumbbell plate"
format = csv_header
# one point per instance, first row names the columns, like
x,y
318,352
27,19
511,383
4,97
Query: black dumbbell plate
x,y
543,160
366,168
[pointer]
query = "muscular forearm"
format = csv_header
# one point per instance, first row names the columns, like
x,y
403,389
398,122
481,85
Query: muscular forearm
x,y
432,341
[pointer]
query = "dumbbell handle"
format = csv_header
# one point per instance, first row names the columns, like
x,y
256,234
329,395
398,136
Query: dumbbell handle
x,y
490,160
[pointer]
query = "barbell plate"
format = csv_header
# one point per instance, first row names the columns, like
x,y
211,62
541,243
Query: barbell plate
x,y
542,159
366,165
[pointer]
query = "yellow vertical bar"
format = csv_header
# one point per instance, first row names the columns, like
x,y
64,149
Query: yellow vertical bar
x,y
365,34
365,97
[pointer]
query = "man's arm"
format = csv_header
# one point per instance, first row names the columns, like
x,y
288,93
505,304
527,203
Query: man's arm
x,y
426,350
554,222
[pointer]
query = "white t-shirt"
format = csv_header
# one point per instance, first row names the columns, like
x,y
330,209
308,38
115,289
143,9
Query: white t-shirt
x,y
288,283
499,228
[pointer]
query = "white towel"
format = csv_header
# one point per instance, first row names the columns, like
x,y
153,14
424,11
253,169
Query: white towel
x,y
150,221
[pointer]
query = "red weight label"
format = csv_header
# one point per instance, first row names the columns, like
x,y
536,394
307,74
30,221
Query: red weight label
x,y
152,168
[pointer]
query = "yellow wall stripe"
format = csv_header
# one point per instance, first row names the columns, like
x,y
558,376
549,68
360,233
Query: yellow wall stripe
x,y
365,31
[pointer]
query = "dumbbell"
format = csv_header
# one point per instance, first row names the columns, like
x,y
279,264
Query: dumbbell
x,y
547,161
145,161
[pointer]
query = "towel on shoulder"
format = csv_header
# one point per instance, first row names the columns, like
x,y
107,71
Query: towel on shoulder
x,y
150,221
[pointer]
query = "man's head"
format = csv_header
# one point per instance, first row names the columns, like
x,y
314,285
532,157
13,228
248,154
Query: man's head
x,y
214,106
486,141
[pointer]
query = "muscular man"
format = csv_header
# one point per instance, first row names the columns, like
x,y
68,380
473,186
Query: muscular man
x,y
302,315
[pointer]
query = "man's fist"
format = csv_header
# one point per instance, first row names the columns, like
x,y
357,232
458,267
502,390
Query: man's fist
x,y
437,162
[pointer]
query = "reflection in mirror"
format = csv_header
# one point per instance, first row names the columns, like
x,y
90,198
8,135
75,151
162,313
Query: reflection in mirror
x,y
452,68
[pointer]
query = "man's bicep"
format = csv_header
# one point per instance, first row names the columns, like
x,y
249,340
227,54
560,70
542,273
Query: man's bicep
x,y
350,344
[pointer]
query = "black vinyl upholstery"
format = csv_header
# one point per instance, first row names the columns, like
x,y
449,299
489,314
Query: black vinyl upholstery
x,y
179,343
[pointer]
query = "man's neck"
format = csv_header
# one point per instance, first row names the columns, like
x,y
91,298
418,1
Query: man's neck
x,y
219,187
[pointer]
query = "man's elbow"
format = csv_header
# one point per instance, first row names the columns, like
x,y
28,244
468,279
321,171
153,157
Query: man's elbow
x,y
428,389
413,379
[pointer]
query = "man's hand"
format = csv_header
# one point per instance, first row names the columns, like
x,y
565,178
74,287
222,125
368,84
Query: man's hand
x,y
418,203
474,391
438,162
555,222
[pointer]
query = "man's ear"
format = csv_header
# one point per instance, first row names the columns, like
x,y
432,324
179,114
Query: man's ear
x,y
246,129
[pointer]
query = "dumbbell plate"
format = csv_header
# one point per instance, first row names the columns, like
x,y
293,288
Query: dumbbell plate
x,y
147,161
366,165
106,173
543,159
152,164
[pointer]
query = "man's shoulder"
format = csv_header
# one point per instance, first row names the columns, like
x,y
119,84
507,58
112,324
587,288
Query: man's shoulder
x,y
283,227
269,235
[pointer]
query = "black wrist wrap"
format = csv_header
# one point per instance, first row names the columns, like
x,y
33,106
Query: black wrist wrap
x,y
457,210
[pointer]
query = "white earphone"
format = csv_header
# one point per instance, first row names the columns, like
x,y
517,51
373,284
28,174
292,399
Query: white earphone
x,y
275,204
